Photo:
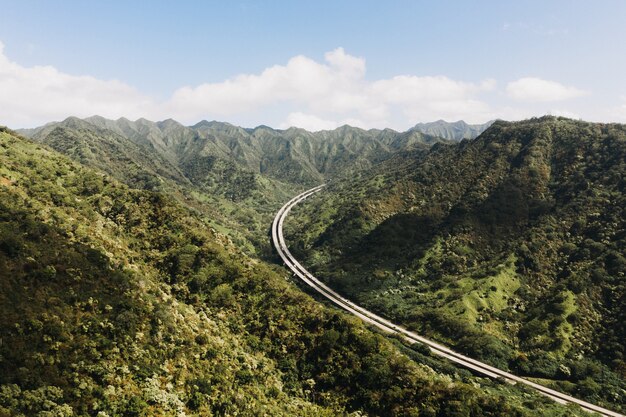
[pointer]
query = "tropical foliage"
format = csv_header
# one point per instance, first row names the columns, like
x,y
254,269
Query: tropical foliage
x,y
125,302
510,247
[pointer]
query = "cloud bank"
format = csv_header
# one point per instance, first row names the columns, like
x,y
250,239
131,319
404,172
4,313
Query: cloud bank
x,y
35,95
536,89
303,93
325,95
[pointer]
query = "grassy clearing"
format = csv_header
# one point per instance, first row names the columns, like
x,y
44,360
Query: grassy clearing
x,y
487,295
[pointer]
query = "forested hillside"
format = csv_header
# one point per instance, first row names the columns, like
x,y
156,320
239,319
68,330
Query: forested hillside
x,y
237,177
124,302
207,151
510,247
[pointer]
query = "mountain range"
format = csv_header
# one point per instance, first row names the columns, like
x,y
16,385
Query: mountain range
x,y
137,278
293,155
120,301
244,174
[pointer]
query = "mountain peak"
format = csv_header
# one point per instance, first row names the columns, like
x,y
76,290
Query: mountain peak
x,y
455,131
95,118
168,123
212,124
75,122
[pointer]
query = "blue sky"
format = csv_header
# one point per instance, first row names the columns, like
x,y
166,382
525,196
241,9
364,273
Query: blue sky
x,y
312,64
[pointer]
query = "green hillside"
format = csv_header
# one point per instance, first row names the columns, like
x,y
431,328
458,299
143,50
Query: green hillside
x,y
123,302
236,177
293,156
510,247
141,154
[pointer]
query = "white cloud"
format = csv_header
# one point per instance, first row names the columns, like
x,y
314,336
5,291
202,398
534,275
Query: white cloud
x,y
411,89
564,113
351,67
36,95
303,92
537,89
315,95
314,123
333,87
308,122
433,98
325,95
470,110
302,79
618,113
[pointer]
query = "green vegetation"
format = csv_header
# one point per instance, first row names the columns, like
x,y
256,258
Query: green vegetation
x,y
509,247
125,302
236,177
238,202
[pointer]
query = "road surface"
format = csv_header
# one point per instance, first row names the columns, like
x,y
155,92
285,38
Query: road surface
x,y
388,327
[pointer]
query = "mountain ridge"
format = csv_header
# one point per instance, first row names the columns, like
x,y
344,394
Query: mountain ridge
x,y
509,247
223,170
455,131
312,155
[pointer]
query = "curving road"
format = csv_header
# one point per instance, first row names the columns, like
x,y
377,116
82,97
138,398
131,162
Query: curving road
x,y
386,326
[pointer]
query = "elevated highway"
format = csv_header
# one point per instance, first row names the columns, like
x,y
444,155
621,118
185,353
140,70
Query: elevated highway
x,y
386,326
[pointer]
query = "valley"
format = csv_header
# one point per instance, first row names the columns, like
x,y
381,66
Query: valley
x,y
312,209
136,265
238,177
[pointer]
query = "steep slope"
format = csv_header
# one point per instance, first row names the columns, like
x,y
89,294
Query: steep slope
x,y
154,149
237,201
510,247
138,165
456,131
237,177
292,156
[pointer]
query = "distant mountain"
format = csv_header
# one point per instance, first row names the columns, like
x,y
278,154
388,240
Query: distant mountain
x,y
209,151
138,163
456,131
211,165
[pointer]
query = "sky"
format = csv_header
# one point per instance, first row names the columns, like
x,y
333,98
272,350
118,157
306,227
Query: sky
x,y
316,65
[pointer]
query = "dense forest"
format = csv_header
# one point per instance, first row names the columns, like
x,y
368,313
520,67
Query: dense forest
x,y
123,301
510,247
